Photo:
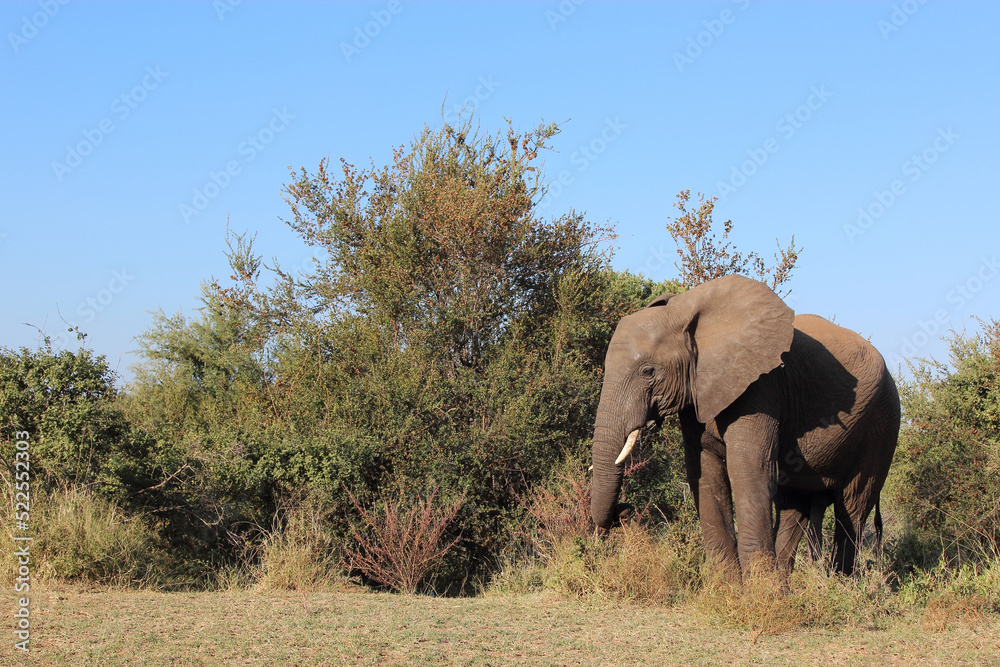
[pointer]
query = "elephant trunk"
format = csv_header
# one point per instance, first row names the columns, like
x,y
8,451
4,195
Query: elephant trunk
x,y
613,434
607,479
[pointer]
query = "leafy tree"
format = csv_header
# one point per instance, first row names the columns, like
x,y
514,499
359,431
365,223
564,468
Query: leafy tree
x,y
447,338
484,327
204,394
441,247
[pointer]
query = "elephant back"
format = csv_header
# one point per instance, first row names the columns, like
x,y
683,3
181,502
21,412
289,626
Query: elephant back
x,y
844,372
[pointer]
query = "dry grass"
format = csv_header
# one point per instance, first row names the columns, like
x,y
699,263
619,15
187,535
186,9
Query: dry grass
x,y
561,553
637,566
632,565
950,609
768,604
643,596
298,554
758,603
667,566
83,537
252,627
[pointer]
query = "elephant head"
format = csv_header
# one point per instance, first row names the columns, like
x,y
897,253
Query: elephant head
x,y
700,350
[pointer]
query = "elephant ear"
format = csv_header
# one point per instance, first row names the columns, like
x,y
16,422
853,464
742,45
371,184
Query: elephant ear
x,y
740,328
660,300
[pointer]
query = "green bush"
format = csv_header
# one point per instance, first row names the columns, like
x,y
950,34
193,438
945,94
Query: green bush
x,y
66,403
87,466
979,582
946,474
204,397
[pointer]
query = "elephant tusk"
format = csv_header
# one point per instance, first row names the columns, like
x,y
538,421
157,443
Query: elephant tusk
x,y
627,449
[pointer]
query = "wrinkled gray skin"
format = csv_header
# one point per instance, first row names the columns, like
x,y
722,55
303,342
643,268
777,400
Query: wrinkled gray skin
x,y
782,416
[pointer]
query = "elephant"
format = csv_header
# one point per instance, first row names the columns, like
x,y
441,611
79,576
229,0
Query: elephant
x,y
781,415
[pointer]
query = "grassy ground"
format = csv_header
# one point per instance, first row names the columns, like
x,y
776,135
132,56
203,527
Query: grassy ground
x,y
75,627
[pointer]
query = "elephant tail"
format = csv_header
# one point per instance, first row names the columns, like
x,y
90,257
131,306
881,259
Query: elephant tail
x,y
878,526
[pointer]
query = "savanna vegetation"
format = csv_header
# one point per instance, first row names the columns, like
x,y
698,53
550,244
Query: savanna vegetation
x,y
413,414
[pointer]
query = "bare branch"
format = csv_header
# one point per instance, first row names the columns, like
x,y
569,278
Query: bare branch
x,y
703,257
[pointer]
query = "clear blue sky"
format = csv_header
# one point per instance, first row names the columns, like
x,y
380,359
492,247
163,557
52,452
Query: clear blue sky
x,y
115,116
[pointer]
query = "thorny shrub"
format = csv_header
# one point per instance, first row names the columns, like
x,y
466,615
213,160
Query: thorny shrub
x,y
399,543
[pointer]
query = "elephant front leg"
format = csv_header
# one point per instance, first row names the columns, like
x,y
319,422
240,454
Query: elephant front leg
x,y
751,444
713,498
714,501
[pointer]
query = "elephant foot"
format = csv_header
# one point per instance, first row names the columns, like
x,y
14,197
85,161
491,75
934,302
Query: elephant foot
x,y
623,514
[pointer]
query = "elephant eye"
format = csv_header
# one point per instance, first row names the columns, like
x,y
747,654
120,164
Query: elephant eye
x,y
647,372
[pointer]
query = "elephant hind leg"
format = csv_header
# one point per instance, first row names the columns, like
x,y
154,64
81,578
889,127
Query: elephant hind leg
x,y
791,517
845,541
791,524
851,509
814,536
799,512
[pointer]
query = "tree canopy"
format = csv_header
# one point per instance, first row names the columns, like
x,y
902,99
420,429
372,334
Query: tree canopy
x,y
448,338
